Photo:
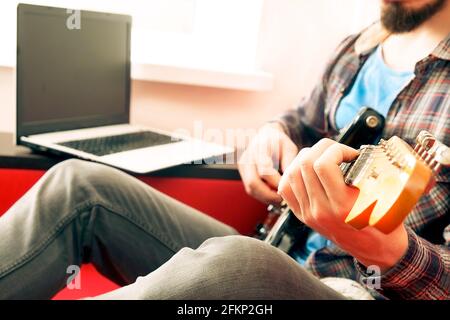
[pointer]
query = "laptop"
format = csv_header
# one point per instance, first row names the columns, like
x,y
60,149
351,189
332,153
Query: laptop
x,y
73,94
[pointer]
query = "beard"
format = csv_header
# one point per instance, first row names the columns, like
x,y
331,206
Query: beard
x,y
398,19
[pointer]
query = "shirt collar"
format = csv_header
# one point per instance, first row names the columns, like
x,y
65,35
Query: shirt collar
x,y
376,34
370,38
442,51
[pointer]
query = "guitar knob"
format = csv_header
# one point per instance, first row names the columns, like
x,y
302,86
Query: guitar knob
x,y
261,231
372,122
443,155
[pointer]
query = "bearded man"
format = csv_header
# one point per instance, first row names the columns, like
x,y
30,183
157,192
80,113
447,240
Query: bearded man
x,y
84,212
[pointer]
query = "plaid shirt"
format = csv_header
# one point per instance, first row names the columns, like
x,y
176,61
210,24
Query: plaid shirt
x,y
424,104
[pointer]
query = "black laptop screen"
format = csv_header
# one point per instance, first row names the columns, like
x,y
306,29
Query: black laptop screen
x,y
70,77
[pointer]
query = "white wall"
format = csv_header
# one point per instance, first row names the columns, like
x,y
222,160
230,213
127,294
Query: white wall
x,y
7,99
297,37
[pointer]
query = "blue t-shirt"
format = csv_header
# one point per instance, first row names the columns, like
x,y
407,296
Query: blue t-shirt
x,y
376,86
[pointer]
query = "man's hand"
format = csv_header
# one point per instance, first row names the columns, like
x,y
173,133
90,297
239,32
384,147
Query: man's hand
x,y
259,166
314,188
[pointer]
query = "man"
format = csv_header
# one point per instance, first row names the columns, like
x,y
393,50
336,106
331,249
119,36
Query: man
x,y
87,212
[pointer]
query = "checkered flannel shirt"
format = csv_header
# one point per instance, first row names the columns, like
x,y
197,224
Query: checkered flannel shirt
x,y
424,104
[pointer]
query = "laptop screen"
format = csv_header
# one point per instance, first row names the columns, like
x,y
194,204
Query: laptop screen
x,y
71,74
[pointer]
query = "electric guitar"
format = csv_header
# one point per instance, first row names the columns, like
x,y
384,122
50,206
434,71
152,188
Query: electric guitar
x,y
391,177
281,228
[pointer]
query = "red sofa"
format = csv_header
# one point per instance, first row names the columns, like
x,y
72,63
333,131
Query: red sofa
x,y
211,196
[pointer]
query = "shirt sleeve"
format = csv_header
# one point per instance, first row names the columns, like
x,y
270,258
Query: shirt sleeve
x,y
422,273
305,125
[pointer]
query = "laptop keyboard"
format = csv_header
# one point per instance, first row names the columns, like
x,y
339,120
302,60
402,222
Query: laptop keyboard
x,y
118,143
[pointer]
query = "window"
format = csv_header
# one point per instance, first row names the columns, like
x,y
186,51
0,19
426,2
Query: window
x,y
205,34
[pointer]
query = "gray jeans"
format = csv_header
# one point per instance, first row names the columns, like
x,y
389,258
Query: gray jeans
x,y
152,245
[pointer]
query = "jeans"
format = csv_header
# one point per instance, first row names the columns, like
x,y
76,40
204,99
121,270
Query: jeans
x,y
152,245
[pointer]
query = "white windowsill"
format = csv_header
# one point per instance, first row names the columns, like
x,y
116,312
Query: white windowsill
x,y
249,81
7,64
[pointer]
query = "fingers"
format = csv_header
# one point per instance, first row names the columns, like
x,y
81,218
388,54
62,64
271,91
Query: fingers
x,y
255,186
272,180
292,188
263,180
269,173
258,189
306,193
285,191
313,186
259,165
328,172
266,171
